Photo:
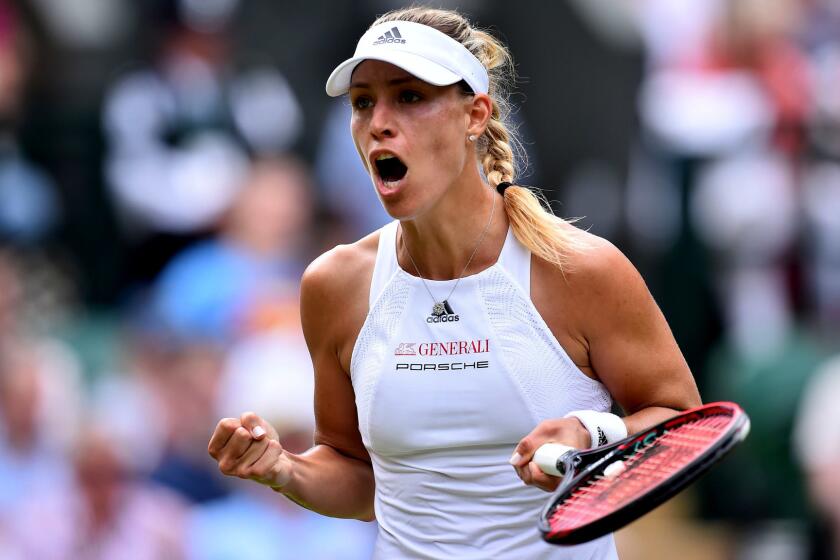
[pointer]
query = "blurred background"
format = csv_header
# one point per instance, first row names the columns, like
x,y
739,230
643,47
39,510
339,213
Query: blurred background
x,y
169,167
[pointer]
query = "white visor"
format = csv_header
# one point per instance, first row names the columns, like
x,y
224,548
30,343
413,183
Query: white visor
x,y
420,50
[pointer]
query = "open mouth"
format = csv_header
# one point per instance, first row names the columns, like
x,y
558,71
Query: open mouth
x,y
390,168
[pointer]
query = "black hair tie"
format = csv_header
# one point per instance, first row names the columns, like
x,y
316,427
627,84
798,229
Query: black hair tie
x,y
502,187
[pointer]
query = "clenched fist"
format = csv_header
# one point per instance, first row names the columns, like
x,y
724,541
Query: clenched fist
x,y
249,447
568,431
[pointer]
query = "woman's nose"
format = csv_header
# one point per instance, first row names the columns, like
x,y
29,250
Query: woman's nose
x,y
381,124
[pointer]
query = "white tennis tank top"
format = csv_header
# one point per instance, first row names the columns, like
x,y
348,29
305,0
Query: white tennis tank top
x,y
442,403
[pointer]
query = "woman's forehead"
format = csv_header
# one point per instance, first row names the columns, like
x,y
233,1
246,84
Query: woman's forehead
x,y
377,71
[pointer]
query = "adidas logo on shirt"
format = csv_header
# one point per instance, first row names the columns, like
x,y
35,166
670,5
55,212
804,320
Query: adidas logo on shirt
x,y
392,36
446,315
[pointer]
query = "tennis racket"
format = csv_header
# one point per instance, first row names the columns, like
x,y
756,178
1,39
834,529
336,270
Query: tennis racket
x,y
606,488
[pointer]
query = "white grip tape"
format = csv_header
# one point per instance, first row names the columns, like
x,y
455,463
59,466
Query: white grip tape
x,y
604,428
546,457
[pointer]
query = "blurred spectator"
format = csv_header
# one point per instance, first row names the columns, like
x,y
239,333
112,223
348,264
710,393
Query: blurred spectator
x,y
824,116
179,133
817,445
185,385
135,416
759,36
675,30
38,410
735,77
744,210
105,513
726,79
246,278
86,24
821,208
40,402
40,394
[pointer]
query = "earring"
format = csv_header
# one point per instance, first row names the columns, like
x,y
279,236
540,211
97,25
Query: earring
x,y
471,138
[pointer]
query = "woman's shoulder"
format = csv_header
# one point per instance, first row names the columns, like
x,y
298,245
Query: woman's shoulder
x,y
334,297
343,268
596,290
597,257
591,265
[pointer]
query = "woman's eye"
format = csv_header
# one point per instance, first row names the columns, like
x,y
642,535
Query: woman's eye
x,y
362,102
409,97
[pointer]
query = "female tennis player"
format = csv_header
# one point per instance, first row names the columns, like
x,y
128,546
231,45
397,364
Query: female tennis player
x,y
452,343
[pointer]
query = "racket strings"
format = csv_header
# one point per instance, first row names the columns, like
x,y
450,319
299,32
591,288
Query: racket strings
x,y
645,467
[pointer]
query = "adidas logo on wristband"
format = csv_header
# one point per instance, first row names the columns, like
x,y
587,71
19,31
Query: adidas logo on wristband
x,y
602,437
603,427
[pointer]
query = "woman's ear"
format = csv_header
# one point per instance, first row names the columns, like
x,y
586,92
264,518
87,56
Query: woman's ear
x,y
480,111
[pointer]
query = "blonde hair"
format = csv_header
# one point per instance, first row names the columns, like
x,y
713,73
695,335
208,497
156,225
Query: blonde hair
x,y
544,234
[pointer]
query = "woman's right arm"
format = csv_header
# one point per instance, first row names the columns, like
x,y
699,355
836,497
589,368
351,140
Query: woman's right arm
x,y
335,476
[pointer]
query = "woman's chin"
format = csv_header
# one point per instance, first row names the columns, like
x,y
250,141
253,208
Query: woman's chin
x,y
398,209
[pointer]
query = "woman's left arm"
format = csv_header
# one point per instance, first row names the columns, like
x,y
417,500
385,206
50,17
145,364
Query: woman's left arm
x,y
628,347
631,348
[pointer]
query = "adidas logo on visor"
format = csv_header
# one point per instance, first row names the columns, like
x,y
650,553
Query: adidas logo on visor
x,y
392,36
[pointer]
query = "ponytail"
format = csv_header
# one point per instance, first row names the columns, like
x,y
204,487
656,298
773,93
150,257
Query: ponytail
x,y
547,236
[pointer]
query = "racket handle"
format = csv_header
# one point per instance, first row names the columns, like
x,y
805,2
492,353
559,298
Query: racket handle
x,y
549,458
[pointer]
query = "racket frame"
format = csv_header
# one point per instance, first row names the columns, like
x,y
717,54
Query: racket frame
x,y
584,465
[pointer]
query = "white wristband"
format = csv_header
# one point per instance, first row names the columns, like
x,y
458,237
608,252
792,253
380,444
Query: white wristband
x,y
604,428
